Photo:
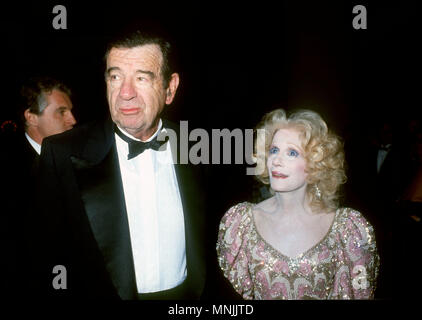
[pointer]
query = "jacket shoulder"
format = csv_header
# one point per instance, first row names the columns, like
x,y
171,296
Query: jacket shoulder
x,y
74,140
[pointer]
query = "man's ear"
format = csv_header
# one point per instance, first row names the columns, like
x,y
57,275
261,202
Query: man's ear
x,y
171,90
30,118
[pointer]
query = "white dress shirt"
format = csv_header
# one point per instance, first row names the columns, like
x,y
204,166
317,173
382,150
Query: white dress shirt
x,y
155,216
36,146
382,154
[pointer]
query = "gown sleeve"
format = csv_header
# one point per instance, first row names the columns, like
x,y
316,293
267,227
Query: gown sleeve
x,y
232,249
357,259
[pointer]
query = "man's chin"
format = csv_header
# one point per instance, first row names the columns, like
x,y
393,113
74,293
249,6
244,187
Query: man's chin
x,y
129,127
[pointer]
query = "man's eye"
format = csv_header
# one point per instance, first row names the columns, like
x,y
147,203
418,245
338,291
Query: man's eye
x,y
273,150
142,79
293,153
114,77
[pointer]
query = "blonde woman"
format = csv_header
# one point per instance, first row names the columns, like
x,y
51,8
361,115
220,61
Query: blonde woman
x,y
298,244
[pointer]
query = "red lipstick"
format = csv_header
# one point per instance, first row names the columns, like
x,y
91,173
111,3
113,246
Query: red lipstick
x,y
278,175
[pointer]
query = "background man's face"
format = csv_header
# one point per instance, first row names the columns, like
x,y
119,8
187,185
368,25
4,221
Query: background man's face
x,y
57,117
135,90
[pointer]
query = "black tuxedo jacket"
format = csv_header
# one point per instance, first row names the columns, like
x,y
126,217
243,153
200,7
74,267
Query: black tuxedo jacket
x,y
84,220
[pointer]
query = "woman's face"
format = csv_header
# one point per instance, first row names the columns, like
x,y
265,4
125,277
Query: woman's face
x,y
286,164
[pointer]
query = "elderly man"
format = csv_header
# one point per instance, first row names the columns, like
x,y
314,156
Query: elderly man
x,y
121,221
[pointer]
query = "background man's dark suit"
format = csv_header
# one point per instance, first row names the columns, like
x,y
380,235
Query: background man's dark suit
x,y
18,170
85,221
374,193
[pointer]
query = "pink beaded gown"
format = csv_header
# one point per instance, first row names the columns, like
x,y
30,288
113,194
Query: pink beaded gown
x,y
343,265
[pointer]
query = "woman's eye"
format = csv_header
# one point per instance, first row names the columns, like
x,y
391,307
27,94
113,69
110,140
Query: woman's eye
x,y
273,150
293,153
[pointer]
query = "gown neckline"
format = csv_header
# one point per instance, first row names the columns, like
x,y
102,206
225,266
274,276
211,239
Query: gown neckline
x,y
304,253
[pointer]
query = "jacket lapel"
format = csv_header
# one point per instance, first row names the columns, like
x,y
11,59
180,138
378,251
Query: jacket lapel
x,y
194,228
193,211
99,181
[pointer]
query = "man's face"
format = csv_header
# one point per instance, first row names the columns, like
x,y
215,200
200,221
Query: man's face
x,y
135,90
57,117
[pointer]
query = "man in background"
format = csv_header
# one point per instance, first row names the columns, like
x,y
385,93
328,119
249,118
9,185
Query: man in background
x,y
45,109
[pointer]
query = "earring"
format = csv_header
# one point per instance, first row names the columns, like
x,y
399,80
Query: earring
x,y
317,192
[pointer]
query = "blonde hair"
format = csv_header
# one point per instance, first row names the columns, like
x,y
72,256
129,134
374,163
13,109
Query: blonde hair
x,y
323,152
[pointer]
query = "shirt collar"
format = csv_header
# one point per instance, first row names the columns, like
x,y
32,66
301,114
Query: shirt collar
x,y
36,146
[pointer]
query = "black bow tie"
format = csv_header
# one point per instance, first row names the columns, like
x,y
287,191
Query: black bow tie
x,y
137,147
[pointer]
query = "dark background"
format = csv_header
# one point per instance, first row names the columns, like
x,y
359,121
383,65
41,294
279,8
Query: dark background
x,y
237,61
